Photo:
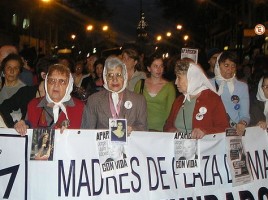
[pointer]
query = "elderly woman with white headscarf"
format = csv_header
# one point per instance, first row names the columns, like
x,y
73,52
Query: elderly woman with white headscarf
x,y
259,107
57,109
115,102
199,110
234,93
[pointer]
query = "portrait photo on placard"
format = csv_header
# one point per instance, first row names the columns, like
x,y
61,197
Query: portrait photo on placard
x,y
42,144
118,130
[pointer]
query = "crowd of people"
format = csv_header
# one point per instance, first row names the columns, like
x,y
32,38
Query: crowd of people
x,y
61,92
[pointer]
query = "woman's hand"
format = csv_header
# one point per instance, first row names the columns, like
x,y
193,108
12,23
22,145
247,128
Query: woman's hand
x,y
197,133
262,124
241,127
129,130
21,127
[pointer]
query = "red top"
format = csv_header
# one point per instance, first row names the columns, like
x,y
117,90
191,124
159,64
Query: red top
x,y
36,115
214,120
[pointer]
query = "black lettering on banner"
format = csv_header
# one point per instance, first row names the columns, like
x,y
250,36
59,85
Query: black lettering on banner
x,y
13,171
263,191
161,172
206,183
83,173
109,185
265,161
151,160
245,195
174,173
227,171
0,151
94,191
198,176
210,197
216,172
138,188
229,196
123,190
257,168
61,177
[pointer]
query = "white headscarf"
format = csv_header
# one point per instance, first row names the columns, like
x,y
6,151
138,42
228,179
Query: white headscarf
x,y
111,63
261,97
218,76
197,81
60,105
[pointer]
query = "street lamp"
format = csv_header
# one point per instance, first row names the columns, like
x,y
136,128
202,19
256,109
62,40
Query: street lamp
x,y
73,36
168,34
105,28
159,37
90,27
185,37
179,27
46,1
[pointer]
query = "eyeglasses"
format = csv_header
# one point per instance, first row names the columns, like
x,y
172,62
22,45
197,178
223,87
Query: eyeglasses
x,y
53,81
111,76
265,86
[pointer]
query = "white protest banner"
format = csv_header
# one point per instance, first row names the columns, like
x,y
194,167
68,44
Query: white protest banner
x,y
190,53
75,171
13,166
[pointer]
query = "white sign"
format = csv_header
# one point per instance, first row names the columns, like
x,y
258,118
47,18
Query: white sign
x,y
75,172
259,29
190,53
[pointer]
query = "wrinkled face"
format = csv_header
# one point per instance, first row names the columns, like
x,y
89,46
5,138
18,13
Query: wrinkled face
x,y
265,87
189,149
182,83
56,85
129,62
227,69
12,70
115,79
157,68
99,70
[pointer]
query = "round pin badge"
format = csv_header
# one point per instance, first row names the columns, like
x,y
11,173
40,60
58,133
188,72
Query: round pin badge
x,y
203,110
235,99
128,104
199,116
237,106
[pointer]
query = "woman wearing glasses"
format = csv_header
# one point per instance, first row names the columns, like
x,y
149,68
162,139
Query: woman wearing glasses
x,y
259,107
57,109
115,101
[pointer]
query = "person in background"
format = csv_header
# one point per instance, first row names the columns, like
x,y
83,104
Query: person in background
x,y
115,102
5,50
234,93
25,94
259,107
199,110
98,70
212,55
131,59
12,66
57,109
158,92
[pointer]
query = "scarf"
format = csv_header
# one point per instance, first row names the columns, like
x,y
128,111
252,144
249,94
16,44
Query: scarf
x,y
261,97
197,81
59,105
223,81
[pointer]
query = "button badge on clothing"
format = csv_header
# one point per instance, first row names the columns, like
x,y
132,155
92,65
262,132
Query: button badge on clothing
x,y
235,99
128,104
237,106
203,110
199,116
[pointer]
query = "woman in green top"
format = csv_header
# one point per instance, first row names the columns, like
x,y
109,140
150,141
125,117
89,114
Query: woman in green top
x,y
158,92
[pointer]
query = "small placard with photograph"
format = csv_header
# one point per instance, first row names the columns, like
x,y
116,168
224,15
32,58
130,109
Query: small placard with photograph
x,y
118,130
42,144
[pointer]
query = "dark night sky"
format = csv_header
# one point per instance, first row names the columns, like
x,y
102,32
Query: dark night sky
x,y
127,15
